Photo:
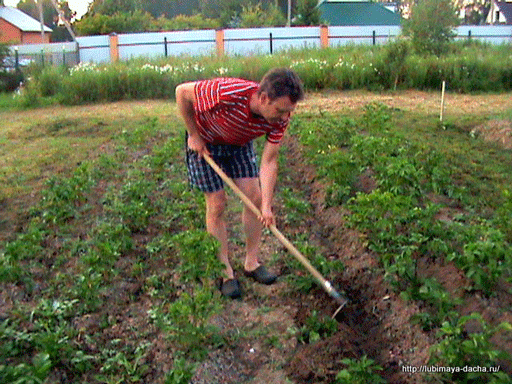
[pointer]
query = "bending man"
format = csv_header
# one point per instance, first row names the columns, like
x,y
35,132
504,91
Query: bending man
x,y
223,116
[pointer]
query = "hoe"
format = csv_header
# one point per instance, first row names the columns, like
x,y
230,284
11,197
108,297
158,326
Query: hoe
x,y
326,285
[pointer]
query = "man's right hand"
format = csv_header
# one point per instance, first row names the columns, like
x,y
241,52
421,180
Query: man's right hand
x,y
197,144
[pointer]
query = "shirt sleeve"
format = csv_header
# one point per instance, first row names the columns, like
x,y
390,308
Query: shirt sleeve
x,y
207,95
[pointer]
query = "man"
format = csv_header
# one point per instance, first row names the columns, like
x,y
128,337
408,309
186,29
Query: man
x,y
222,117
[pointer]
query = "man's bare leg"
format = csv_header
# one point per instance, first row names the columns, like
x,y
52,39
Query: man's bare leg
x,y
252,224
216,226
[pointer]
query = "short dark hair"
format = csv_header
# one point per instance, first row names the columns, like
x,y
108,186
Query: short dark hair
x,y
280,82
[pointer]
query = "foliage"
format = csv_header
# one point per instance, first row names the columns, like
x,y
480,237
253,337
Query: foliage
x,y
119,22
112,7
469,69
359,371
307,13
400,222
50,15
257,16
183,22
470,349
317,327
485,258
431,25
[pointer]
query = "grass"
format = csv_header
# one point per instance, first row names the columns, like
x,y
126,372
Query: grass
x,y
105,264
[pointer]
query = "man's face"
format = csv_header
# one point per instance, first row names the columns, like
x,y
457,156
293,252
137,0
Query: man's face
x,y
276,110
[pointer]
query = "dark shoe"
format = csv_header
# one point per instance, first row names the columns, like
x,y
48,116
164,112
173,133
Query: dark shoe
x,y
261,275
231,288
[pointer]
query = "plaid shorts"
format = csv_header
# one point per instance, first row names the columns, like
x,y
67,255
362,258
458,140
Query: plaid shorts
x,y
237,161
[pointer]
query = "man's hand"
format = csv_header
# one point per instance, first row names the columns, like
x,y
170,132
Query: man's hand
x,y
267,217
197,144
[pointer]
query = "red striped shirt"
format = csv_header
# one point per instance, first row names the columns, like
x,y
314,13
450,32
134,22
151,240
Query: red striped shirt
x,y
223,113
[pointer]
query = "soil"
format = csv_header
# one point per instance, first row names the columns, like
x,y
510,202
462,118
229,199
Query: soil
x,y
263,327
376,322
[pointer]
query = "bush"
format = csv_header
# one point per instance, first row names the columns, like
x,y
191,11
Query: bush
x,y
10,81
468,68
431,26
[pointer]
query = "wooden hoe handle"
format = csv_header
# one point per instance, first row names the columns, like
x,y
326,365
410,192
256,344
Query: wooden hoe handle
x,y
293,250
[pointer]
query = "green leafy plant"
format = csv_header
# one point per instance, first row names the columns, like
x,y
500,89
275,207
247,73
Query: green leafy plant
x,y
185,322
360,371
485,259
463,349
317,327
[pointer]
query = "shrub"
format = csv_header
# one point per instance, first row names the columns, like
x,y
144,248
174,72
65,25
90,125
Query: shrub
x,y
431,26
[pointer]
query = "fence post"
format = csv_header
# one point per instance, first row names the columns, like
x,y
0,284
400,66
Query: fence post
x,y
324,36
374,37
469,34
77,53
165,46
219,40
114,47
16,59
271,44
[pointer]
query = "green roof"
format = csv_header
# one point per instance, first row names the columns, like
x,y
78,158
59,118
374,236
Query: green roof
x,y
357,13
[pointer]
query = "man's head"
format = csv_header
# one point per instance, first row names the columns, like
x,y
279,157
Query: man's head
x,y
278,94
280,82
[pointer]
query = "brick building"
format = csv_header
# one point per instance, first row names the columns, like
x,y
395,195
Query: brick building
x,y
16,27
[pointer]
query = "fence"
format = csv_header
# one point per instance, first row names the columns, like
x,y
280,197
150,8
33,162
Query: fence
x,y
105,49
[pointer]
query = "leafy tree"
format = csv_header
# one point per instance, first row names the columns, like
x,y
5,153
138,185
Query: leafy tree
x,y
184,22
431,25
111,7
308,13
475,11
121,22
257,16
171,8
50,16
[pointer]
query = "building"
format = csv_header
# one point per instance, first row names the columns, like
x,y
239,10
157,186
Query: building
x,y
357,12
16,27
500,12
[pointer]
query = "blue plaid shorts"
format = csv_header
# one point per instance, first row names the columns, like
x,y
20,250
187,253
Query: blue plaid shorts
x,y
237,161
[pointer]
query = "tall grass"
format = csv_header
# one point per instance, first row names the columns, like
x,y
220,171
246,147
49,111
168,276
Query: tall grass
x,y
467,68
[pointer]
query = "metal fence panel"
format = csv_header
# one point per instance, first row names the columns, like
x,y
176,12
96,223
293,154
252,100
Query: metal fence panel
x,y
95,49
269,40
368,35
246,41
161,44
496,34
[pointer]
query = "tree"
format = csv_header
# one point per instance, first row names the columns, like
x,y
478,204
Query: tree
x,y
111,7
171,8
121,22
257,16
308,13
474,12
50,16
431,25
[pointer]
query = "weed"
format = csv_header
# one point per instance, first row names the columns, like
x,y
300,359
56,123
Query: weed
x,y
474,349
317,327
63,196
181,372
440,304
359,371
295,207
185,322
304,281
